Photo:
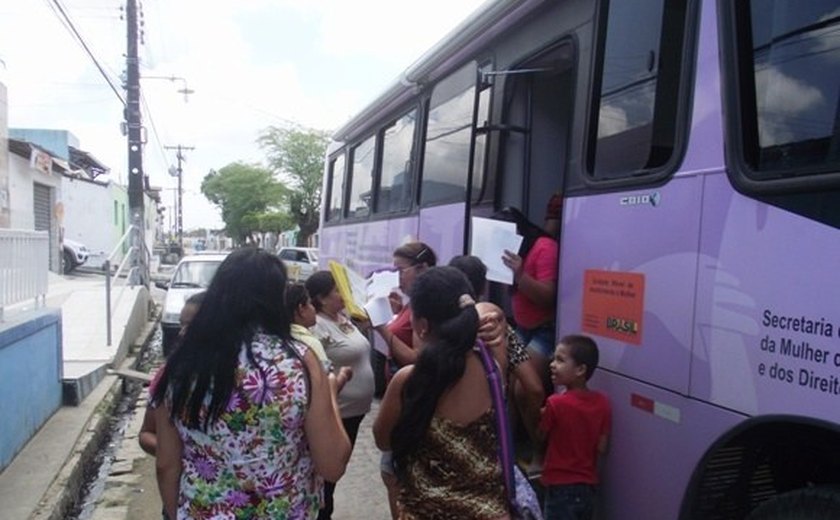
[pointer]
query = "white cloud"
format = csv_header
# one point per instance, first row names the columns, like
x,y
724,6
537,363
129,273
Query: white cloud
x,y
387,28
611,120
790,99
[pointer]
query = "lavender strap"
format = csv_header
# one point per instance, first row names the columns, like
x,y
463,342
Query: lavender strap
x,y
494,378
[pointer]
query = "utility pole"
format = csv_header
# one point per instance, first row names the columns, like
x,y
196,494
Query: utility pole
x,y
134,127
179,210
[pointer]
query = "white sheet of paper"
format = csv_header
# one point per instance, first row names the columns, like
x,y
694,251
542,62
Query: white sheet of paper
x,y
489,239
382,283
379,285
379,310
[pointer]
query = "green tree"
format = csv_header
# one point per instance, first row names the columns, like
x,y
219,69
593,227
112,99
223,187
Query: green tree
x,y
296,156
275,222
243,193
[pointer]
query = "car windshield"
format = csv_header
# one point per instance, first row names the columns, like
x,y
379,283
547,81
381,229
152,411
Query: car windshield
x,y
195,274
314,255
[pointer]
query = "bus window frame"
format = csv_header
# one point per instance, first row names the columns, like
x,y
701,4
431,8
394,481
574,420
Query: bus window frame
x,y
485,192
415,107
348,176
331,160
682,114
736,81
427,104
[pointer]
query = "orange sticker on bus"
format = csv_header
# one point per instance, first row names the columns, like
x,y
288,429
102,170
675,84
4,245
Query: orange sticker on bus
x,y
613,304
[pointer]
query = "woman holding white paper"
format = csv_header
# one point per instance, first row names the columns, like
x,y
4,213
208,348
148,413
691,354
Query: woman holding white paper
x,y
410,260
345,346
534,269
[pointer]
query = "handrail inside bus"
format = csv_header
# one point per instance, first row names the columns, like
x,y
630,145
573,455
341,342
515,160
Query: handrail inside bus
x,y
514,71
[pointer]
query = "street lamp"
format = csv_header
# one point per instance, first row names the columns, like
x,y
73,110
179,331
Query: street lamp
x,y
185,90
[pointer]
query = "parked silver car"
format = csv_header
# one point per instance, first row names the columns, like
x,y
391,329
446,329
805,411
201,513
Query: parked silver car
x,y
300,262
192,274
73,254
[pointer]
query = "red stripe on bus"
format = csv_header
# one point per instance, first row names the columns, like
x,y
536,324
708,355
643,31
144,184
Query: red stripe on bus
x,y
642,403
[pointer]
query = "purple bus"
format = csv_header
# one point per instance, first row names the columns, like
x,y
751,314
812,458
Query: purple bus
x,y
697,148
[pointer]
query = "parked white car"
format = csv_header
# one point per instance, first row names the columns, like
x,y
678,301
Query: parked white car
x,y
300,262
193,274
73,255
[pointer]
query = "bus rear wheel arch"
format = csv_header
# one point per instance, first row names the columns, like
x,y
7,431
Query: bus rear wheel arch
x,y
765,460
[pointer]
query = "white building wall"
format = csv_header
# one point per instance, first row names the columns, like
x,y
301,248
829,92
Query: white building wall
x,y
4,159
21,179
89,217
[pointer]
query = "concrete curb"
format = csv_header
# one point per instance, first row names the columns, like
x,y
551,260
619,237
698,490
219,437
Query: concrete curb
x,y
63,493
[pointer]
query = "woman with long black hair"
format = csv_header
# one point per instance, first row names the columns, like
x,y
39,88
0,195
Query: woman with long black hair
x,y
247,418
437,415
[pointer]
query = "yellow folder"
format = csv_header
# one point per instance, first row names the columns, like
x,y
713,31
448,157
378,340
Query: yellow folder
x,y
351,287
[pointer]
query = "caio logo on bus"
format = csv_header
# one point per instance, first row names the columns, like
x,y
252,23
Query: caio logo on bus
x,y
639,200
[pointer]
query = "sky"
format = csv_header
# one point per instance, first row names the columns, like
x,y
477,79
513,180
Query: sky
x,y
251,64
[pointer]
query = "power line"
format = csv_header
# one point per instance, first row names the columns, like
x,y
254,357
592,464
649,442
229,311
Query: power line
x,y
154,129
69,24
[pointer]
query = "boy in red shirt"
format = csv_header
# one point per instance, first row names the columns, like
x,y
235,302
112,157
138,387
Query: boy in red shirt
x,y
575,424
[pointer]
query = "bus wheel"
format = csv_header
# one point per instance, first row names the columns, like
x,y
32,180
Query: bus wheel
x,y
819,503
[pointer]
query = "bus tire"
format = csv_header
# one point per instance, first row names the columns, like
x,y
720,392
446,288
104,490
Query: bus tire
x,y
817,503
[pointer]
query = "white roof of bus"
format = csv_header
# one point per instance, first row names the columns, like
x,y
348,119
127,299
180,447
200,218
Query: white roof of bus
x,y
464,40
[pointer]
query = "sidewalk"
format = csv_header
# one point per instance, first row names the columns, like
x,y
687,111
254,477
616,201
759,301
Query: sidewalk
x,y
46,475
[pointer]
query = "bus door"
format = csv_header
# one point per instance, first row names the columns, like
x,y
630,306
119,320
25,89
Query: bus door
x,y
537,115
534,135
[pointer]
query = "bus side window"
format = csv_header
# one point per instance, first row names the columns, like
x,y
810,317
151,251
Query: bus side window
x,y
361,178
336,187
449,128
640,73
395,184
796,81
786,135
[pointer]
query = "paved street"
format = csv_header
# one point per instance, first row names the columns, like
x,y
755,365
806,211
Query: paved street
x,y
131,490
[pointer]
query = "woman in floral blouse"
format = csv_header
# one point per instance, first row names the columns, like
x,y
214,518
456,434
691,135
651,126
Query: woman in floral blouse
x,y
248,424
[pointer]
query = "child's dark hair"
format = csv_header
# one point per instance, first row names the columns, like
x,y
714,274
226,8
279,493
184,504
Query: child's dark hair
x,y
583,350
319,285
417,253
296,295
474,268
438,296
